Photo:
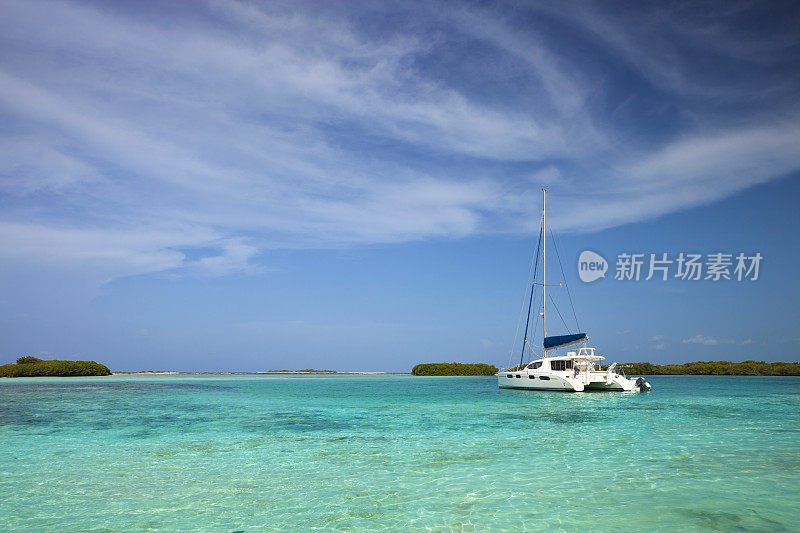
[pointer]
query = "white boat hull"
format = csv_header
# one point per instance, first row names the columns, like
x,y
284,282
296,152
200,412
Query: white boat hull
x,y
566,381
537,381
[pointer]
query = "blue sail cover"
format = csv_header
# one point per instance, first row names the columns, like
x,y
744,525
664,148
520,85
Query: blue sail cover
x,y
563,340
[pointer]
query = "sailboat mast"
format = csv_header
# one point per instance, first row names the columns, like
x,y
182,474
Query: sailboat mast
x,y
544,266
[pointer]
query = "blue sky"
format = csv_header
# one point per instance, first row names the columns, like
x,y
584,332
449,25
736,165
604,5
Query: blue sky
x,y
232,185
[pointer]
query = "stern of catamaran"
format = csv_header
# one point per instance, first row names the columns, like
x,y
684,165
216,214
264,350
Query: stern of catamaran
x,y
595,378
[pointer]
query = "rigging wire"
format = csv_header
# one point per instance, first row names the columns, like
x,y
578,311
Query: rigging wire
x,y
564,277
559,315
535,324
534,259
527,323
531,300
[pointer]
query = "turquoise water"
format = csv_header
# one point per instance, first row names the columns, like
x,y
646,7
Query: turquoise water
x,y
264,453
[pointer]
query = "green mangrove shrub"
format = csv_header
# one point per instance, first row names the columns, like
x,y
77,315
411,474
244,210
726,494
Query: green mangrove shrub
x,y
717,368
454,369
29,366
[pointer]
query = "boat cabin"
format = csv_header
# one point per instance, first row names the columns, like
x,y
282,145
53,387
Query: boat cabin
x,y
583,359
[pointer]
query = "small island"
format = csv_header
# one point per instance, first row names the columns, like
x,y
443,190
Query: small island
x,y
454,369
300,371
697,368
29,366
716,368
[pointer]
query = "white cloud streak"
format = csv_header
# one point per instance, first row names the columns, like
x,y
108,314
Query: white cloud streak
x,y
701,339
130,139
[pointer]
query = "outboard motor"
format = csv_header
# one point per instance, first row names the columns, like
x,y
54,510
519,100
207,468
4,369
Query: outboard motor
x,y
642,385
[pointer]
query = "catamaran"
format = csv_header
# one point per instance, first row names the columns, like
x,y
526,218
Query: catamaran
x,y
579,370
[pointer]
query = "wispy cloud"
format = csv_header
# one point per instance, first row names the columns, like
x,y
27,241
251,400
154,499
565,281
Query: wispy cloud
x,y
659,342
129,140
147,249
701,339
234,256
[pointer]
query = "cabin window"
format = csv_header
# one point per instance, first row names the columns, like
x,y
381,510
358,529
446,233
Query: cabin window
x,y
561,365
535,365
532,377
509,376
557,365
517,375
546,378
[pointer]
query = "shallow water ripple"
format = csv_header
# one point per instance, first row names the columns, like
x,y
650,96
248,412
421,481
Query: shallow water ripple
x,y
274,453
